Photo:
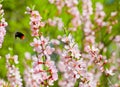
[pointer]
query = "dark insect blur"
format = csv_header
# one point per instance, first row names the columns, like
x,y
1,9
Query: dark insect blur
x,y
19,35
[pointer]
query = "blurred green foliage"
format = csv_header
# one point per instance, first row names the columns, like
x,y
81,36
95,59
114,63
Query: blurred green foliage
x,y
18,21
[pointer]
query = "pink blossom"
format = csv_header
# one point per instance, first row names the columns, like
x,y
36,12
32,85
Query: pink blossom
x,y
74,67
51,22
3,83
48,50
13,73
14,58
73,48
117,38
74,11
51,1
41,46
43,68
30,78
87,8
59,4
27,55
109,72
99,15
71,3
43,75
113,14
98,60
55,41
76,21
36,44
3,24
67,39
35,21
56,21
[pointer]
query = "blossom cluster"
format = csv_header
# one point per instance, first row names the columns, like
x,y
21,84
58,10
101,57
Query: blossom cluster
x,y
13,73
99,60
74,67
88,26
35,21
3,24
43,69
3,83
56,22
72,9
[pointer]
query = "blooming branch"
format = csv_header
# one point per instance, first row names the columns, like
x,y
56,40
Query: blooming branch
x,y
3,24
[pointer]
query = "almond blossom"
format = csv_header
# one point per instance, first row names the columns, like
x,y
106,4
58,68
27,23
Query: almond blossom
x,y
100,15
56,21
99,61
71,3
39,65
74,67
41,46
59,4
117,40
30,78
3,24
35,21
44,71
13,73
76,19
43,68
3,83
